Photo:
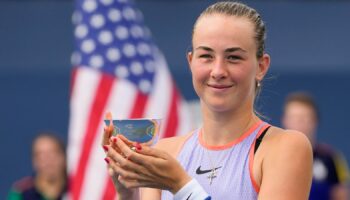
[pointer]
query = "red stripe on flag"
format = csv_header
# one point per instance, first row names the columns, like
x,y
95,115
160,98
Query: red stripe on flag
x,y
137,112
139,106
96,112
109,192
72,80
173,115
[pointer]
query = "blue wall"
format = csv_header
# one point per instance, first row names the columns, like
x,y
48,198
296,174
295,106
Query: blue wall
x,y
308,41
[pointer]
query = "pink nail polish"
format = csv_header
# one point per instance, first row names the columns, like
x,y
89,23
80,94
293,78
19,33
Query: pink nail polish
x,y
105,147
107,160
138,146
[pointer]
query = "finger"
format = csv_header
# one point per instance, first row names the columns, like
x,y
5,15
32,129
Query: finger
x,y
106,136
129,174
115,155
125,163
125,140
110,118
113,143
132,153
131,160
150,151
111,171
125,147
108,130
146,161
114,139
115,170
139,159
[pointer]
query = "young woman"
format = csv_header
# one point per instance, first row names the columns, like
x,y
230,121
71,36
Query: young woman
x,y
49,181
234,155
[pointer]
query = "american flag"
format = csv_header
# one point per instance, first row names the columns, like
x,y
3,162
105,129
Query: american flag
x,y
117,68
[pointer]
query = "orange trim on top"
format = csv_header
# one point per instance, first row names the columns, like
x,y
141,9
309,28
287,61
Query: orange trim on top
x,y
251,159
230,144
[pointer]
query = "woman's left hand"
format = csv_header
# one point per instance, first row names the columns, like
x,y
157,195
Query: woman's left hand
x,y
145,166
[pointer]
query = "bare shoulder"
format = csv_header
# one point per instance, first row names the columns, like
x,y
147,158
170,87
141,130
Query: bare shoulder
x,y
286,144
173,145
287,140
286,165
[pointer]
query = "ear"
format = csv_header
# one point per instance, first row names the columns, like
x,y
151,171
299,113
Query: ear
x,y
189,58
264,65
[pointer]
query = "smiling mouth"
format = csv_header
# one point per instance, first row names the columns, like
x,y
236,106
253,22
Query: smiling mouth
x,y
219,86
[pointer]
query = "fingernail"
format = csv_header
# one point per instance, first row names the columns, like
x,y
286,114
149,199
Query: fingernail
x,y
107,160
138,146
105,147
114,140
111,127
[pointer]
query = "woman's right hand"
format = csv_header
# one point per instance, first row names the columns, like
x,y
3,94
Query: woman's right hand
x,y
144,166
110,146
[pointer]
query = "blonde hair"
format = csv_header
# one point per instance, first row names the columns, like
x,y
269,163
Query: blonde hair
x,y
237,9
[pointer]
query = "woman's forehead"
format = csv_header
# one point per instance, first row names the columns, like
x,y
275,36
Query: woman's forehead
x,y
223,19
44,142
224,31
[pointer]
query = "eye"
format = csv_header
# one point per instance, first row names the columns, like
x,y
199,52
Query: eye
x,y
234,57
208,56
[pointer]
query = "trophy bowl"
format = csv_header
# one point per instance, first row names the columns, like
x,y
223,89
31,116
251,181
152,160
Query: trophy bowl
x,y
145,131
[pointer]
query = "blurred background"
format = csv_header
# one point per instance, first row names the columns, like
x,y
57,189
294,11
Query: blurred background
x,y
308,41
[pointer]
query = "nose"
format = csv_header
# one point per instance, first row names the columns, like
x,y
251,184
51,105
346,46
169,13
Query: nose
x,y
219,69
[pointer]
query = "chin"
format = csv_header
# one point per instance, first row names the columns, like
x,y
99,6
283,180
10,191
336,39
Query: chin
x,y
219,106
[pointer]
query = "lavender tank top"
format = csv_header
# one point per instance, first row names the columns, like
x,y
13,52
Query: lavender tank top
x,y
233,164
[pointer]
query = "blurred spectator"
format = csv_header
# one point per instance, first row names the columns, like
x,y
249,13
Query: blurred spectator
x,y
330,171
49,181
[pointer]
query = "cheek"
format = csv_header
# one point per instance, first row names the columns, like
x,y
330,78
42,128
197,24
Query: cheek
x,y
197,82
243,76
199,73
199,78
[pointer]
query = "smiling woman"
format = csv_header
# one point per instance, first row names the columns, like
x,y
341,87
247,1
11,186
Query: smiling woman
x,y
226,61
234,155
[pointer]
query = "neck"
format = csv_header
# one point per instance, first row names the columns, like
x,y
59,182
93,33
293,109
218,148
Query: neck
x,y
50,186
220,128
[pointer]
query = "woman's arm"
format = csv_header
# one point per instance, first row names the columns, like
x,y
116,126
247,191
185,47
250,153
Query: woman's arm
x,y
287,167
145,167
172,146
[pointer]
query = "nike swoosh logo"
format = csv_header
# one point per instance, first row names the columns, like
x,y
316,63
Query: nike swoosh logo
x,y
189,197
199,171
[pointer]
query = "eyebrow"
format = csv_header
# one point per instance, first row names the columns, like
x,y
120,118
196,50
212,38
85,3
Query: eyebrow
x,y
229,50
